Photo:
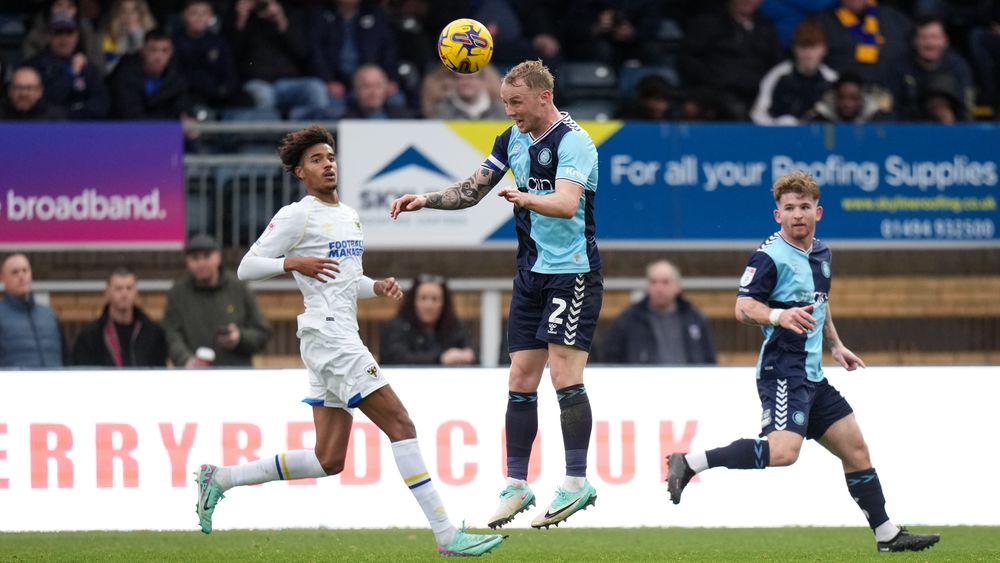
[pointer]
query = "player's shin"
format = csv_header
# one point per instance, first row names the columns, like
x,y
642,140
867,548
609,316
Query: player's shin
x,y
418,479
744,453
296,464
866,490
577,421
521,428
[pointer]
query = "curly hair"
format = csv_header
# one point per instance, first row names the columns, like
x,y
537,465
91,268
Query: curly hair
x,y
408,308
533,74
294,144
798,182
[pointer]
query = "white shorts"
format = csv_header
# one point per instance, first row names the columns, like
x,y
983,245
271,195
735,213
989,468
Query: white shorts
x,y
341,370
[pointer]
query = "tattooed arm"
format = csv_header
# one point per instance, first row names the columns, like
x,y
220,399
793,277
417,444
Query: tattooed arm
x,y
461,194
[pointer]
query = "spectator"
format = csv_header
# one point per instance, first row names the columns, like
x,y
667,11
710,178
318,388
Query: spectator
x,y
469,97
790,90
865,38
271,48
786,15
371,90
729,52
984,43
930,61
149,84
852,101
30,335
426,330
69,78
25,99
939,102
655,100
205,58
123,336
521,29
344,37
612,32
209,307
38,36
124,31
663,327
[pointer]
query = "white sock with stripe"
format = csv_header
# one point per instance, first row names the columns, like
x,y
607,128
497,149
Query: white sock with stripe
x,y
418,479
296,464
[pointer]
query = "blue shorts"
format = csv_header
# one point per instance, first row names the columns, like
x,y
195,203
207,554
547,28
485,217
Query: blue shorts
x,y
808,408
554,309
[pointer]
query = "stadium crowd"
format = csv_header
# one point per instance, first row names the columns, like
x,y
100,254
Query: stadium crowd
x,y
769,61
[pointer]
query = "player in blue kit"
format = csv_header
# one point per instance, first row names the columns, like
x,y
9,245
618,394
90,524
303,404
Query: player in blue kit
x,y
785,290
558,289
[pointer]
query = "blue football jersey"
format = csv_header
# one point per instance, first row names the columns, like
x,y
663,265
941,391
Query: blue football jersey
x,y
551,245
785,276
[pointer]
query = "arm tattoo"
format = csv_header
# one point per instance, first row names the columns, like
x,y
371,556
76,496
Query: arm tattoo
x,y
464,193
747,319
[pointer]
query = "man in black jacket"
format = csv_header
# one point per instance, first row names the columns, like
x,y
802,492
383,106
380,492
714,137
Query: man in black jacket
x,y
662,328
71,81
123,336
149,84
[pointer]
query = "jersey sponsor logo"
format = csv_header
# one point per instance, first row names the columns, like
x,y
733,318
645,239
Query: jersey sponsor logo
x,y
540,184
372,370
748,275
825,268
346,248
515,150
545,156
765,418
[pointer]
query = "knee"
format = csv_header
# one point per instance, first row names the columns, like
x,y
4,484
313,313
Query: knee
x,y
784,455
331,462
521,380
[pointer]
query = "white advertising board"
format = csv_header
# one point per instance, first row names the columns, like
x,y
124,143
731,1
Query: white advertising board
x,y
116,450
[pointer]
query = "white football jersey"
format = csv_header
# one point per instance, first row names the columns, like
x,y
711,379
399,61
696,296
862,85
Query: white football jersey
x,y
310,227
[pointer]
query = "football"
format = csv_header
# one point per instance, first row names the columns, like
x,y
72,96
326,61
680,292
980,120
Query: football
x,y
465,46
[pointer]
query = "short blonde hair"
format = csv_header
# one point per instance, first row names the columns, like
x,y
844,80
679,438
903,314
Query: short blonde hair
x,y
533,74
798,182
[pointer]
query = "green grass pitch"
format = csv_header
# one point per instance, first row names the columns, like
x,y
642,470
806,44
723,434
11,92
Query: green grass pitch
x,y
571,545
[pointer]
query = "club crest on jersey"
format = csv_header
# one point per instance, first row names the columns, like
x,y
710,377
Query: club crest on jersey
x,y
545,156
748,275
825,268
372,370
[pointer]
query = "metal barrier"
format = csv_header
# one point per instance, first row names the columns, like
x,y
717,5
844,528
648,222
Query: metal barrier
x,y
490,289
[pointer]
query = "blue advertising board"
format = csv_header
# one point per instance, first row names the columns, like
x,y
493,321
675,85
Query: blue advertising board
x,y
882,185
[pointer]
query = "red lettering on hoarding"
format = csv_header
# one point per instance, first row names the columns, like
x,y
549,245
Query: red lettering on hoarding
x,y
604,452
107,453
235,433
534,464
4,482
296,441
41,454
669,445
369,452
444,451
178,451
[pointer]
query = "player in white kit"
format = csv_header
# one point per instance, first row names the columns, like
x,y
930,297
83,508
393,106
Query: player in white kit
x,y
320,241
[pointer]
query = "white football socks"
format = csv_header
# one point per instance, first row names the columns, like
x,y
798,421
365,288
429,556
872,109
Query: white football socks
x,y
418,479
296,464
698,462
573,484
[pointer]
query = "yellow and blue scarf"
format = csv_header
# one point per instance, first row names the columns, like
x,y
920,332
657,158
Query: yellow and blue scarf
x,y
865,31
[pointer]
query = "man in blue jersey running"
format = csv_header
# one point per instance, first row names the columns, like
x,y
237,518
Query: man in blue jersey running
x,y
785,290
558,289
